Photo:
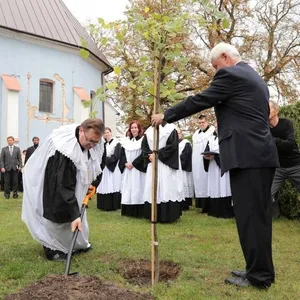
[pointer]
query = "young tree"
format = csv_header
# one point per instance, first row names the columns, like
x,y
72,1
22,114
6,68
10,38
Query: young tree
x,y
266,33
130,45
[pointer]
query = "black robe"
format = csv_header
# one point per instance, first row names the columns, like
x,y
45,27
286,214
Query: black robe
x,y
112,161
111,201
59,200
186,165
138,163
170,211
168,154
186,158
29,152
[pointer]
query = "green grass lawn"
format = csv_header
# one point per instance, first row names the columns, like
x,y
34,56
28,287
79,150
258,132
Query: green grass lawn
x,y
206,249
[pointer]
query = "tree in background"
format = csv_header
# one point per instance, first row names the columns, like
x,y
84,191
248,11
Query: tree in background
x,y
266,33
129,45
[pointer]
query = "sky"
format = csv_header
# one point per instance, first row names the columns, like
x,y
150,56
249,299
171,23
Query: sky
x,y
84,10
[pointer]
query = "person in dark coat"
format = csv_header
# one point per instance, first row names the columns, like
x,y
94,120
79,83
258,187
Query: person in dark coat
x,y
282,130
247,150
31,149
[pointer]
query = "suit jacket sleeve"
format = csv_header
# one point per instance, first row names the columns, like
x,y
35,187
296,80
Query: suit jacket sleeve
x,y
2,158
19,157
29,151
219,90
26,157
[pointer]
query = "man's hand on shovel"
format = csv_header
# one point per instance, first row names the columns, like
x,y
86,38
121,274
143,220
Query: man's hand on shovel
x,y
91,191
76,226
76,223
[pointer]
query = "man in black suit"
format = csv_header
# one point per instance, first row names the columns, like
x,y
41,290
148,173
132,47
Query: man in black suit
x,y
10,164
247,151
31,149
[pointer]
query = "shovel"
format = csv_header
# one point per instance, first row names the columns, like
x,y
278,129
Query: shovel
x,y
75,234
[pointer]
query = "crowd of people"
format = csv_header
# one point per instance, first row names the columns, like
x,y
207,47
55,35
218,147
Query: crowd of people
x,y
228,168
127,176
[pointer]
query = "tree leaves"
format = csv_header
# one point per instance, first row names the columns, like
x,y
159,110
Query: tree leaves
x,y
84,53
183,31
117,70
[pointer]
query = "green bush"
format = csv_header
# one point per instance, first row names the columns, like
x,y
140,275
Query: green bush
x,y
288,197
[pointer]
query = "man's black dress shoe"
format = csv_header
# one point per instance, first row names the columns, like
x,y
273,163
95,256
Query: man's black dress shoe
x,y
15,196
239,273
238,281
242,274
244,282
6,196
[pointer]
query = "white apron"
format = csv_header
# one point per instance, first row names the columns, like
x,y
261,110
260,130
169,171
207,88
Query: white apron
x,y
199,175
169,182
111,181
53,235
187,177
218,187
133,181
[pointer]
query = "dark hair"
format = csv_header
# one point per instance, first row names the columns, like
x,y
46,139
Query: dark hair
x,y
96,124
107,128
141,130
10,137
202,117
35,138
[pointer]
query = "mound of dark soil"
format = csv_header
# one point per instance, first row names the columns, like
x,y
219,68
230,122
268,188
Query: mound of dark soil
x,y
139,271
61,287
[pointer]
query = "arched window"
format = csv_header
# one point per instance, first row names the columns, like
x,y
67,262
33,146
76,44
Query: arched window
x,y
46,95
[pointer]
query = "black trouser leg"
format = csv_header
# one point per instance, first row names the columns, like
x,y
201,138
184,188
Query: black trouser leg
x,y
251,194
7,182
15,182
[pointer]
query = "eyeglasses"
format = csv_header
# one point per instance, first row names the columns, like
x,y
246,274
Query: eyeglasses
x,y
89,141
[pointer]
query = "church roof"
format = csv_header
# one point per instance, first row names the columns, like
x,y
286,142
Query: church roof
x,y
48,19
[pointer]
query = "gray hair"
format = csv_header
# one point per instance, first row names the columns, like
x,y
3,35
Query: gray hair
x,y
274,104
221,48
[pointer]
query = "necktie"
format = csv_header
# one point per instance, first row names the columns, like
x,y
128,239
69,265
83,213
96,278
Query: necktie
x,y
10,150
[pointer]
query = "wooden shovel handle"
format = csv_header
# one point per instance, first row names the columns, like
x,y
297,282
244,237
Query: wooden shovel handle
x,y
89,196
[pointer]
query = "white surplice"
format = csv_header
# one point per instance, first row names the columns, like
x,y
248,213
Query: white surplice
x,y
133,181
169,182
111,181
200,178
53,235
